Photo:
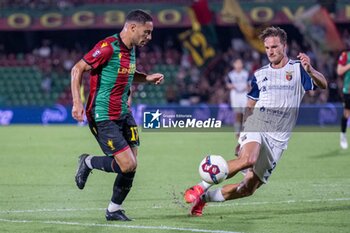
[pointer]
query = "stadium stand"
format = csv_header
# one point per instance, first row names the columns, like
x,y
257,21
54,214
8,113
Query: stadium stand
x,y
30,79
41,76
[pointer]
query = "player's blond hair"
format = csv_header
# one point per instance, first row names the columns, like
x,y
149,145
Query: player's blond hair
x,y
274,31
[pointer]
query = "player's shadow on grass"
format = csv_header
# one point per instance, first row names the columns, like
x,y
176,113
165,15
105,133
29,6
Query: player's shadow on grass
x,y
331,153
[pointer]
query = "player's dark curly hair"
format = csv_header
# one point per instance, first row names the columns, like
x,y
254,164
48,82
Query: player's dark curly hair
x,y
274,31
139,16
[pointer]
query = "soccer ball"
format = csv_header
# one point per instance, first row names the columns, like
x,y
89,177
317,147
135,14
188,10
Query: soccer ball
x,y
213,169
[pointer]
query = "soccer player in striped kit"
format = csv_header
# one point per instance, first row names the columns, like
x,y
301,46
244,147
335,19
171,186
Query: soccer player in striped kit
x,y
112,66
343,69
271,113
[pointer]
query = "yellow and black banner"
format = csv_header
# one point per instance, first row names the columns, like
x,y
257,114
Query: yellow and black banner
x,y
201,40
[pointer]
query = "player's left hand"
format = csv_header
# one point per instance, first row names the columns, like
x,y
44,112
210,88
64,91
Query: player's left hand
x,y
156,78
305,62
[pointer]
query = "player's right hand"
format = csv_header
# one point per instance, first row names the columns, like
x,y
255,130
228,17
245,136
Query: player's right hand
x,y
305,62
156,78
78,112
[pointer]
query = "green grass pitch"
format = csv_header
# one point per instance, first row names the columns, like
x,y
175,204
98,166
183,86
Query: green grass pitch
x,y
309,190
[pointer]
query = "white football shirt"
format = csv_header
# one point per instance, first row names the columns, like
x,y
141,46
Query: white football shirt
x,y
239,80
278,93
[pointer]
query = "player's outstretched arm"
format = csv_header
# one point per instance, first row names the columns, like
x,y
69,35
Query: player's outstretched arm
x,y
76,76
316,76
156,78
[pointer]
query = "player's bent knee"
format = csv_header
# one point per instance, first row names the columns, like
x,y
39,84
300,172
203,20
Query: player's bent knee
x,y
129,166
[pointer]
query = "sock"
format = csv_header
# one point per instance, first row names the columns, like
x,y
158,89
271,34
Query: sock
x,y
122,186
88,161
344,122
112,207
214,196
104,163
205,185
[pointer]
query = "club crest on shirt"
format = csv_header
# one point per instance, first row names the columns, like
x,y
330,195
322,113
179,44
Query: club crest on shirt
x,y
289,75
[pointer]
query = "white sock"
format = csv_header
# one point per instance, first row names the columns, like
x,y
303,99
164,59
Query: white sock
x,y
112,207
88,161
205,185
214,196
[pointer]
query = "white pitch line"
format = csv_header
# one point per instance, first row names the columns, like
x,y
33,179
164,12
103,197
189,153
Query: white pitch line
x,y
279,202
330,185
50,210
162,207
119,226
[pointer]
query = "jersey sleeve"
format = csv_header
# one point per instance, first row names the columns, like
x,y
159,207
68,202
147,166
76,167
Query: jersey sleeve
x,y
343,59
99,55
306,80
254,92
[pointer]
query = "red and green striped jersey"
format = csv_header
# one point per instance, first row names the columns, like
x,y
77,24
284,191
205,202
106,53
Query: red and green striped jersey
x,y
113,68
344,59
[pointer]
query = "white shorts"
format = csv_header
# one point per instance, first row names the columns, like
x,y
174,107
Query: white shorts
x,y
238,101
268,157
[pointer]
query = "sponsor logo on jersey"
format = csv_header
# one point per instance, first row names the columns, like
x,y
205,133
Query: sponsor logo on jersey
x,y
96,53
124,70
281,87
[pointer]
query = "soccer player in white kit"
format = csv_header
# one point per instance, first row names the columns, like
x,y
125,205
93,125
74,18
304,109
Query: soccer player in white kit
x,y
277,90
237,83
